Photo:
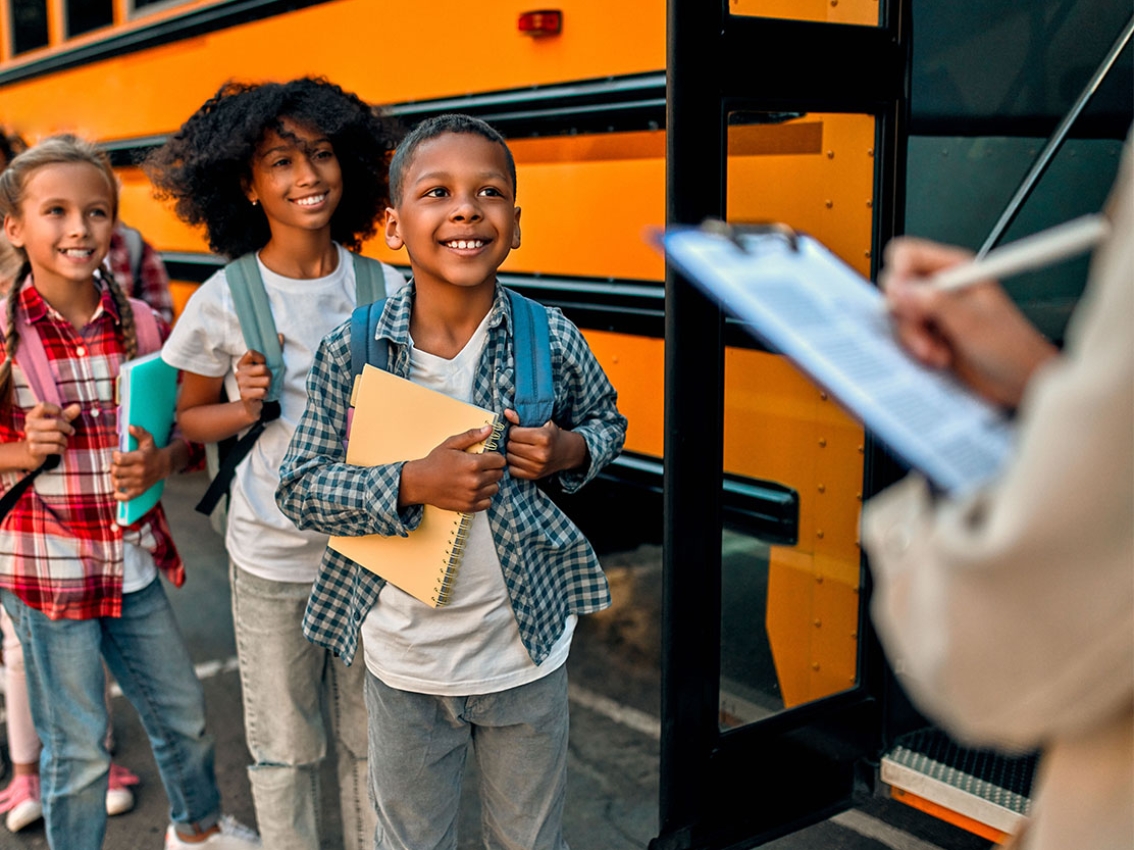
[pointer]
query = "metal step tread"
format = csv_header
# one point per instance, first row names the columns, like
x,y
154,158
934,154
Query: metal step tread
x,y
989,787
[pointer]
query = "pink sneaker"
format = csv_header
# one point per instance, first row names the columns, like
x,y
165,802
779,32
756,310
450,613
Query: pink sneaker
x,y
21,801
119,798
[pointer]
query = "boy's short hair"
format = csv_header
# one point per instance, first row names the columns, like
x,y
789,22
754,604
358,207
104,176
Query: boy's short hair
x,y
206,164
431,128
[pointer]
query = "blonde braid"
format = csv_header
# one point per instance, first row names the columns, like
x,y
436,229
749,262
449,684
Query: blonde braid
x,y
12,339
125,313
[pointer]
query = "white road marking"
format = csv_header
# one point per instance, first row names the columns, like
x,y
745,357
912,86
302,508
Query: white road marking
x,y
883,833
640,721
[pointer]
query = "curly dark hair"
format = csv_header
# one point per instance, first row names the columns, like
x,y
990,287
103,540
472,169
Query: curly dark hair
x,y
206,165
11,146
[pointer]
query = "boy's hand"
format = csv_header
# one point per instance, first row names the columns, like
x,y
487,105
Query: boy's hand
x,y
535,453
253,379
451,478
46,430
133,473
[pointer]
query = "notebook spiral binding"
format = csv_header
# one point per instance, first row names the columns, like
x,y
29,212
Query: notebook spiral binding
x,y
447,576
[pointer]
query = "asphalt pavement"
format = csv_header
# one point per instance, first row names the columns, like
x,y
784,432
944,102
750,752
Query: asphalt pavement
x,y
613,763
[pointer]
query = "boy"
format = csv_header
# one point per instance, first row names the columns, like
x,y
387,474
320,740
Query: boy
x,y
489,667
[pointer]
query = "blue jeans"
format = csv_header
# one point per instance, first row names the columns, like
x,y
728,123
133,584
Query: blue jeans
x,y
145,652
418,746
287,683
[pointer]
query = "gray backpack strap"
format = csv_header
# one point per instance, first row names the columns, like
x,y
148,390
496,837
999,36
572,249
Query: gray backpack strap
x,y
250,300
368,278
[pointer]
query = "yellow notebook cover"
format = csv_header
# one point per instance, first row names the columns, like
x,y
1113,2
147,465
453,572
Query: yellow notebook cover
x,y
394,420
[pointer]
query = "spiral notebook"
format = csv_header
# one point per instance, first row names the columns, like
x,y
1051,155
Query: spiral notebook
x,y
394,420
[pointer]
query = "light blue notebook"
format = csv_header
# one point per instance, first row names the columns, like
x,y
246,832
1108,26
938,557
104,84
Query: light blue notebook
x,y
147,396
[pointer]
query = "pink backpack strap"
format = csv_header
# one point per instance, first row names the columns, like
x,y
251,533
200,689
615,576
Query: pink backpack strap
x,y
146,326
33,359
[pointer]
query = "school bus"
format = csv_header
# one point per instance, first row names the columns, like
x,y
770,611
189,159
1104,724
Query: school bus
x,y
851,120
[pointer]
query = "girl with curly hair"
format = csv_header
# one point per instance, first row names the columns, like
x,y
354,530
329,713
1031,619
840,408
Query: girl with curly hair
x,y
295,172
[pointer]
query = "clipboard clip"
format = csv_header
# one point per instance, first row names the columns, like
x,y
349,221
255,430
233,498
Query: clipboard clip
x,y
734,232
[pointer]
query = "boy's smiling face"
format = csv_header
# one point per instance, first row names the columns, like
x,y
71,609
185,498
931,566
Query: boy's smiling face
x,y
457,216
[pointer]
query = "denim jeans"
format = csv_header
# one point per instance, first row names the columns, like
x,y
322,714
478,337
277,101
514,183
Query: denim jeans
x,y
144,650
289,683
418,745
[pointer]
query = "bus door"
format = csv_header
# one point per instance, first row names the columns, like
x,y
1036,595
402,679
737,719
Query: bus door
x,y
789,112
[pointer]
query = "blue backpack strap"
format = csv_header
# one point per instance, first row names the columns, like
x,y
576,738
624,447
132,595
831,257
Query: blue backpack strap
x,y
255,315
365,347
531,341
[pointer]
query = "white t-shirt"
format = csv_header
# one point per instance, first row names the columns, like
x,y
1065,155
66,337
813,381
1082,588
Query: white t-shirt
x,y
207,340
472,645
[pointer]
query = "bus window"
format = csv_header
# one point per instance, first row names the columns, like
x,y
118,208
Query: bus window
x,y
86,15
862,12
29,25
790,607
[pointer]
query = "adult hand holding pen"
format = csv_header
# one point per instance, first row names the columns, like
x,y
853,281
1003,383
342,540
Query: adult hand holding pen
x,y
976,331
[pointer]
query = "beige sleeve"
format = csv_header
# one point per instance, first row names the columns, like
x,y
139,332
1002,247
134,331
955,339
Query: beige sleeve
x,y
1009,617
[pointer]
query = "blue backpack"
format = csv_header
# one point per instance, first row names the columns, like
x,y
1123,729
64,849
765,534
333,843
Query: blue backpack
x,y
535,390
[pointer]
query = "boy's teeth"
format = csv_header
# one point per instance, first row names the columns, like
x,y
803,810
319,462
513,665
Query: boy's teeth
x,y
314,199
463,243
78,252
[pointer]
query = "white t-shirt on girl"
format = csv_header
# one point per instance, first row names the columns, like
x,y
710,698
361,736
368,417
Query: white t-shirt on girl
x,y
472,645
207,340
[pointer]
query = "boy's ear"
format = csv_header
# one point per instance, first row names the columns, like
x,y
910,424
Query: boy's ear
x,y
394,239
516,231
14,231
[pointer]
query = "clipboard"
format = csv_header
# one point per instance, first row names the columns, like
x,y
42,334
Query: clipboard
x,y
795,295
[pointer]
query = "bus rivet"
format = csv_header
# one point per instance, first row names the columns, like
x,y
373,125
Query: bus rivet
x,y
818,623
822,442
870,151
822,396
814,665
829,203
870,204
830,154
822,488
819,534
818,579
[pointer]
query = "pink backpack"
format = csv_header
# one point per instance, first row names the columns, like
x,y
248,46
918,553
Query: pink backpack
x,y
33,361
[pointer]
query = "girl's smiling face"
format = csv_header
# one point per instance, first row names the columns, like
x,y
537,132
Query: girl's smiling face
x,y
65,222
296,179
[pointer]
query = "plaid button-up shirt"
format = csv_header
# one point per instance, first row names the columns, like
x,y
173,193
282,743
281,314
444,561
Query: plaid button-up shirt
x,y
550,569
60,549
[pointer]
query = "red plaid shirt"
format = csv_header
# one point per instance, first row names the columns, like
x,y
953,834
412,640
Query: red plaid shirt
x,y
60,548
152,285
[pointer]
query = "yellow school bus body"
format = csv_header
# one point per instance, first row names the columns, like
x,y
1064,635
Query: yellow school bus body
x,y
588,202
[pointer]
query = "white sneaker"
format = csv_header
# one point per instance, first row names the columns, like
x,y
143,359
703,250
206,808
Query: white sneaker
x,y
119,797
233,835
21,801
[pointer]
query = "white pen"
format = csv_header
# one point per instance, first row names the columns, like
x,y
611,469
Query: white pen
x,y
1032,252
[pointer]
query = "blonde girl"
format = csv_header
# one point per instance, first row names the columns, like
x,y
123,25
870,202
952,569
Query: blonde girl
x,y
76,585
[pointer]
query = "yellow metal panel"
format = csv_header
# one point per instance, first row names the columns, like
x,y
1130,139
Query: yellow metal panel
x,y
635,365
382,60
864,12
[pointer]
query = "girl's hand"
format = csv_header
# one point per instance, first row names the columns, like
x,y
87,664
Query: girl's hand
x,y
535,453
133,473
253,379
451,478
46,429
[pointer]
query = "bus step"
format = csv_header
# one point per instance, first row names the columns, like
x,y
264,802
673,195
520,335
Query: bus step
x,y
979,790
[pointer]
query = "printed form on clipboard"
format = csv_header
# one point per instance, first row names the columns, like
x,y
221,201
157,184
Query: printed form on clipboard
x,y
807,304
